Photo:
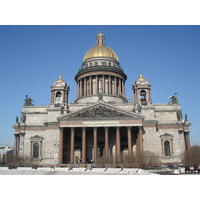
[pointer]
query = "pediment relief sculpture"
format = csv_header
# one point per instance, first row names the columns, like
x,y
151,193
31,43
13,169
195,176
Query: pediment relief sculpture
x,y
101,111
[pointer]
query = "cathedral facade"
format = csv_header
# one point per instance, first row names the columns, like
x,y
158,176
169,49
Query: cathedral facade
x,y
101,121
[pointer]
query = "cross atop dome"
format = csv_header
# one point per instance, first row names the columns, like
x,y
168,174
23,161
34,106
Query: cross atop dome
x,y
60,79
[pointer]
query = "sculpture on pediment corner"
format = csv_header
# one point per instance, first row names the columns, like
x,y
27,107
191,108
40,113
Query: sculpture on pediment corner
x,y
28,101
174,99
186,117
17,120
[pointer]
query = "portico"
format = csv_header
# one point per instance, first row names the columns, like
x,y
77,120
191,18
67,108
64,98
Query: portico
x,y
95,142
86,138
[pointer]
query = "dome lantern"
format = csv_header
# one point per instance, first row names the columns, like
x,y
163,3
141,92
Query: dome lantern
x,y
100,38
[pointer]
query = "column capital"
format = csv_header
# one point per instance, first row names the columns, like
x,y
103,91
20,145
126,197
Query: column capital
x,y
118,127
83,128
72,128
95,128
187,132
106,128
129,128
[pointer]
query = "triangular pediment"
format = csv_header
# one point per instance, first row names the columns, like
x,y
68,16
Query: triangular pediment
x,y
101,111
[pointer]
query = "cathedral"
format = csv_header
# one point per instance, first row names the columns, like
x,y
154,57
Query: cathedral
x,y
102,121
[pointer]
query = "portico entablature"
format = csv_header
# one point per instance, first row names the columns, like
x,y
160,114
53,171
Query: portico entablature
x,y
99,123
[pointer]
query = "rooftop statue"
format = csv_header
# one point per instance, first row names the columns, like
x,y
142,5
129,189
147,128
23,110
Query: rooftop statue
x,y
17,120
23,118
186,117
174,99
139,108
179,115
28,101
100,95
62,109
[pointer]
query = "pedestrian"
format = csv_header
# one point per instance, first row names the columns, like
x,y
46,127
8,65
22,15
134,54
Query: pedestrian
x,y
196,169
186,169
199,169
191,169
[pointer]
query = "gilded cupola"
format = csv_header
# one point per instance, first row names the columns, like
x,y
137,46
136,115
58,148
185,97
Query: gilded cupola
x,y
100,50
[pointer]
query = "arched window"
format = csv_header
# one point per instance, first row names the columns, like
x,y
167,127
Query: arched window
x,y
143,97
167,148
36,147
36,150
58,94
143,94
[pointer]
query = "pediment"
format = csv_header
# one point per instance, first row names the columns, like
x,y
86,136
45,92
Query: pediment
x,y
36,138
59,84
167,135
101,111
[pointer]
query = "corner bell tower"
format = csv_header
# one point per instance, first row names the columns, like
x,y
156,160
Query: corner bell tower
x,y
59,93
142,91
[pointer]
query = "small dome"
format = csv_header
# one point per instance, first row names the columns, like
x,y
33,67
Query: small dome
x,y
60,80
100,50
100,34
141,80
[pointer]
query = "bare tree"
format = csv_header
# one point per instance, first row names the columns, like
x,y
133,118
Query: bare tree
x,y
192,156
144,160
147,160
25,161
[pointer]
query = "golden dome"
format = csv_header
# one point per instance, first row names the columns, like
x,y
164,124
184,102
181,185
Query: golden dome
x,y
141,78
60,80
100,50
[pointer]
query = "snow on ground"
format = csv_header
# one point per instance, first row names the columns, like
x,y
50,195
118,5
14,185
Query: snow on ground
x,y
75,171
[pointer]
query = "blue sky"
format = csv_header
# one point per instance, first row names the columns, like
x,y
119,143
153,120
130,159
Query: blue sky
x,y
33,57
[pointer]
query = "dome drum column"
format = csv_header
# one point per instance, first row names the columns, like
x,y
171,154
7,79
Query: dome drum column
x,y
81,85
120,86
115,80
85,86
103,84
123,87
97,85
109,86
